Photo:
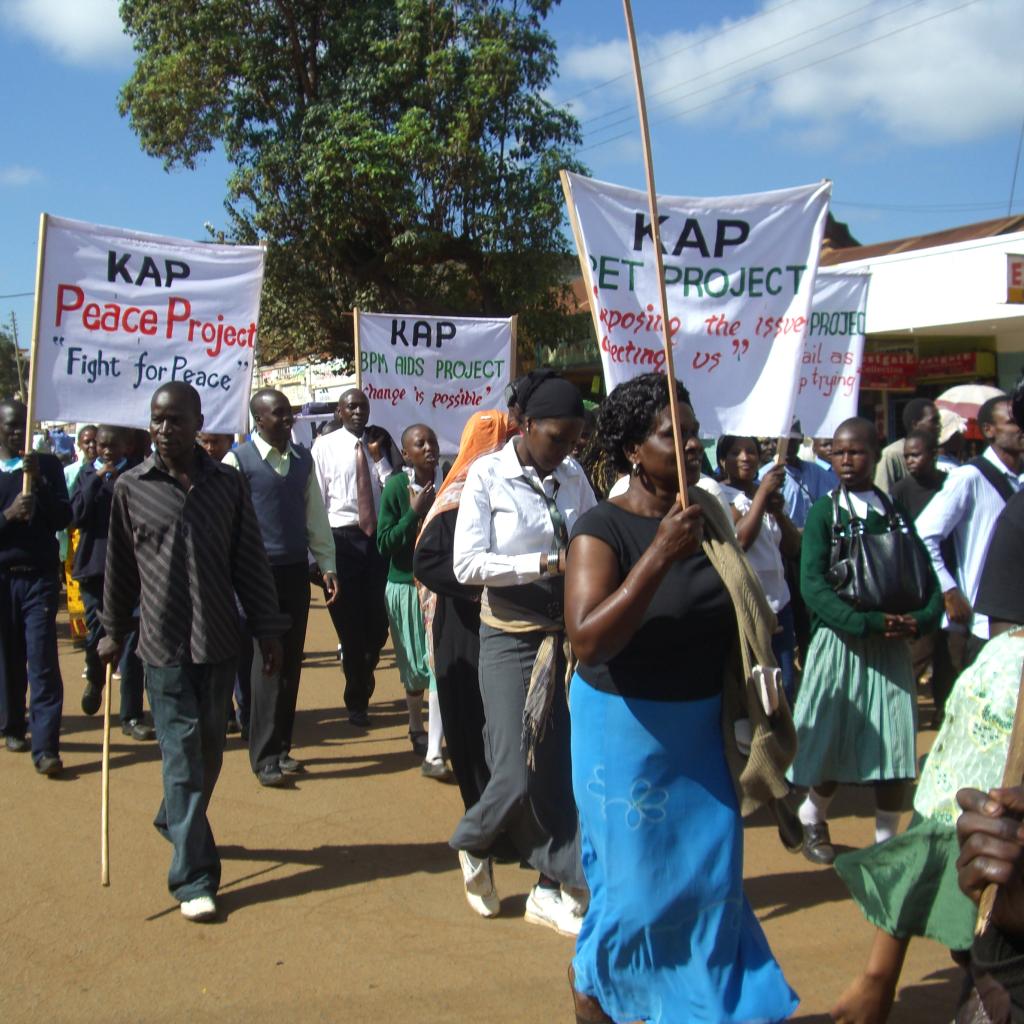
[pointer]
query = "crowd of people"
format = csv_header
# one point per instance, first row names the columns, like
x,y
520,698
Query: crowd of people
x,y
599,665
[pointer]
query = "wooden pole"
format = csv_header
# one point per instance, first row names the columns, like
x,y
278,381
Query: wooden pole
x,y
782,450
577,234
33,364
1013,775
513,366
355,344
105,783
652,202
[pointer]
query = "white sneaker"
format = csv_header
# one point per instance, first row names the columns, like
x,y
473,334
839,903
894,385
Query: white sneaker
x,y
576,901
202,908
545,906
478,878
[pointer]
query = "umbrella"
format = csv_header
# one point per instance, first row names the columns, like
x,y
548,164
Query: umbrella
x,y
966,399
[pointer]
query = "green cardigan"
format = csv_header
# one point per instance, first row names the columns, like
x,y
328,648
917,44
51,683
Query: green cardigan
x,y
825,606
397,527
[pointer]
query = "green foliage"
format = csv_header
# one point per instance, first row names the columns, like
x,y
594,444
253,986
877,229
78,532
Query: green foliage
x,y
9,383
395,154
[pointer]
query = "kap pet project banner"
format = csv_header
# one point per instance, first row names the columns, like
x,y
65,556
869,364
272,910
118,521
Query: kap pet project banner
x,y
123,312
739,274
432,370
833,356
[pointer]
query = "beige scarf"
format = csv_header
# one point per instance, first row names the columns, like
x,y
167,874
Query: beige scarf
x,y
761,776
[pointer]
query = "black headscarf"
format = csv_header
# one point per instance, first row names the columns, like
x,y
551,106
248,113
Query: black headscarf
x,y
543,394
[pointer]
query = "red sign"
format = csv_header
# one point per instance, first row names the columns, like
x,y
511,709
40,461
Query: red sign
x,y
892,369
950,364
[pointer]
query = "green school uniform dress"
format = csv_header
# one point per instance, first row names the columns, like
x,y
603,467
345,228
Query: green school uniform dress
x,y
397,527
907,885
856,710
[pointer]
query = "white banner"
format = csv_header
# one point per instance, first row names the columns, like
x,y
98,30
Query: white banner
x,y
739,272
432,370
830,368
123,312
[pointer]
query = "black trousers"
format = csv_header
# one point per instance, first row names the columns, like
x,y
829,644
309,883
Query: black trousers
x,y
360,614
954,652
272,716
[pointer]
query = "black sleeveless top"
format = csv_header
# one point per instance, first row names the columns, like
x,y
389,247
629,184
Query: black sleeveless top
x,y
680,650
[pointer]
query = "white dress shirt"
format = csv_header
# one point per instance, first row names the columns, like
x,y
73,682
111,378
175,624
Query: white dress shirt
x,y
966,508
503,526
334,460
318,530
764,554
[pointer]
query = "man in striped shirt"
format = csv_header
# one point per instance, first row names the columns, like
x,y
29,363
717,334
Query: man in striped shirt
x,y
183,541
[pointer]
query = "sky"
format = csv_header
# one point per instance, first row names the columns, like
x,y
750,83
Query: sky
x,y
913,108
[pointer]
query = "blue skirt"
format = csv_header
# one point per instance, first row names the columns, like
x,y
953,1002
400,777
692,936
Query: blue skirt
x,y
669,937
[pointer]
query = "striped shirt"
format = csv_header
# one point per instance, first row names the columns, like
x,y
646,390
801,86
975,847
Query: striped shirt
x,y
184,555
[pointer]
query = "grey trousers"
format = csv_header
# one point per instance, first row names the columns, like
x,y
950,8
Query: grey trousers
x,y
533,807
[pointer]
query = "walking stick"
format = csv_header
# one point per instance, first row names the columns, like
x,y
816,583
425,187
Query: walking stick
x,y
105,783
1013,775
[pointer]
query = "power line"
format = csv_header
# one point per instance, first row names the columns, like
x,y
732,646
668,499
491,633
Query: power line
x,y
782,74
1016,164
763,49
689,46
17,295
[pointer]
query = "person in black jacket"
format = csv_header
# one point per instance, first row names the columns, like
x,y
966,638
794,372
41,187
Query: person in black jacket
x,y
90,508
29,591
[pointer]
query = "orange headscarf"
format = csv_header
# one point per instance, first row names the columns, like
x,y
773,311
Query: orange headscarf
x,y
485,432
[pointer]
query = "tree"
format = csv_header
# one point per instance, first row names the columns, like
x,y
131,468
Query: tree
x,y
10,385
395,154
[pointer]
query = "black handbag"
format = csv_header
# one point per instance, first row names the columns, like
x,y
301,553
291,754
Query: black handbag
x,y
877,572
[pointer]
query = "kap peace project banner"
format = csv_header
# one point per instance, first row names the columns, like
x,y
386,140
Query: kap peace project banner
x,y
830,368
432,370
739,273
122,312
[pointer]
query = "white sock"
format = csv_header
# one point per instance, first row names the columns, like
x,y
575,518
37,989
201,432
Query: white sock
x,y
887,824
414,702
814,810
435,731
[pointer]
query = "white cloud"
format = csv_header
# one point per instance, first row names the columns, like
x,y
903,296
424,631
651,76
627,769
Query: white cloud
x,y
15,175
954,77
85,32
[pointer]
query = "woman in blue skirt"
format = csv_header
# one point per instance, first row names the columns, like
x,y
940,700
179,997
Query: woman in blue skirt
x,y
669,937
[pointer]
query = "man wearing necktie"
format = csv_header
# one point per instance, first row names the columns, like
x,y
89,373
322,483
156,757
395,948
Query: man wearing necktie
x,y
351,487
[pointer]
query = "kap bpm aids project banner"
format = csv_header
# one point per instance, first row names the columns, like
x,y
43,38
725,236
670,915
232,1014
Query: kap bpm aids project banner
x,y
432,370
121,312
830,368
739,274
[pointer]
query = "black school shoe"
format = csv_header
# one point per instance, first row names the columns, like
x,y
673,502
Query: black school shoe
x,y
92,698
818,848
138,729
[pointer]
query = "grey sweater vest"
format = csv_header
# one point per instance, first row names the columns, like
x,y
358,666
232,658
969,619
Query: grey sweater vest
x,y
279,501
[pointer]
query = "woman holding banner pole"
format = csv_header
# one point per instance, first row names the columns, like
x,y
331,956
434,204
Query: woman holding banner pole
x,y
654,597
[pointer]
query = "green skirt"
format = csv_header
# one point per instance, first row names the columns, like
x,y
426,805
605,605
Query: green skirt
x,y
409,637
856,711
907,885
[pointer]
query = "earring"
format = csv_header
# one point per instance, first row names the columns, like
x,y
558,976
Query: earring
x,y
636,469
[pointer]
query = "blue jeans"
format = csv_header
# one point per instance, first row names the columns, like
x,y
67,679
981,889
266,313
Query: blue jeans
x,y
28,658
130,666
190,705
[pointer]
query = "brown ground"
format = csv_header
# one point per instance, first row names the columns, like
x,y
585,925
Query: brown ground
x,y
341,899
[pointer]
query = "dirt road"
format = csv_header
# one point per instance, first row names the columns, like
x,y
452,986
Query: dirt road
x,y
341,899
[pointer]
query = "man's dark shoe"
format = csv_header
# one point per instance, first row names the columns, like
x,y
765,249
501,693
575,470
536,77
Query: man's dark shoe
x,y
818,846
270,775
138,729
290,766
233,727
49,764
92,698
359,718
16,744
